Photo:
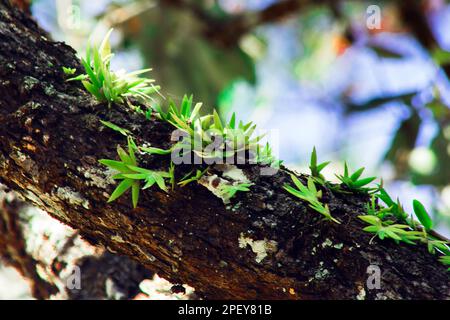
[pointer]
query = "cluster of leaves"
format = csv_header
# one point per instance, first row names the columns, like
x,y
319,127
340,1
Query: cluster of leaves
x,y
409,231
211,138
106,85
228,191
317,168
353,181
387,228
131,174
310,194
384,222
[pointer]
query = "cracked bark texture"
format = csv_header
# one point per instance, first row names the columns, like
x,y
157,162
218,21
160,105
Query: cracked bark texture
x,y
51,139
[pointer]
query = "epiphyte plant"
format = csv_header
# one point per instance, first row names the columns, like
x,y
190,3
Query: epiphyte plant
x,y
228,191
210,138
106,85
310,194
387,228
422,215
353,181
317,168
131,174
190,177
395,208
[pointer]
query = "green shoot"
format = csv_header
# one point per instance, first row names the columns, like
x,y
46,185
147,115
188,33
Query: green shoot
x,y
172,175
116,128
374,211
149,176
265,156
395,207
422,215
310,194
388,229
209,130
153,150
190,178
182,117
229,191
108,86
69,71
317,168
353,182
127,159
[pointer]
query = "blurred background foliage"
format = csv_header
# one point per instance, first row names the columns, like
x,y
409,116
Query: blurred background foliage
x,y
313,71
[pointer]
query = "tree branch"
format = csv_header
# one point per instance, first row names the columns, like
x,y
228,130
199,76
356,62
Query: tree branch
x,y
226,32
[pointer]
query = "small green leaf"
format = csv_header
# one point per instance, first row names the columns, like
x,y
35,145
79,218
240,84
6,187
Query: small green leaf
x,y
121,188
69,71
135,193
217,121
114,127
153,150
422,215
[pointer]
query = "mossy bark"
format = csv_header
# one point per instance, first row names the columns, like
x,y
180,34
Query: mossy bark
x,y
51,140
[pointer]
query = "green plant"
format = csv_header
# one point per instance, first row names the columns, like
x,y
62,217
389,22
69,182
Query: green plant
x,y
352,182
106,85
264,156
190,177
310,194
229,190
317,168
182,117
435,244
397,232
153,150
131,175
373,210
422,215
172,174
69,71
445,260
206,131
116,128
395,208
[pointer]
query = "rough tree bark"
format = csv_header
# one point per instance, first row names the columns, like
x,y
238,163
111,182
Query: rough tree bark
x,y
51,139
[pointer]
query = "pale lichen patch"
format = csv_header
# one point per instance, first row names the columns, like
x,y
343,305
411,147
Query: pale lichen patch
x,y
338,245
213,183
73,197
327,243
260,247
361,293
234,173
117,238
98,178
